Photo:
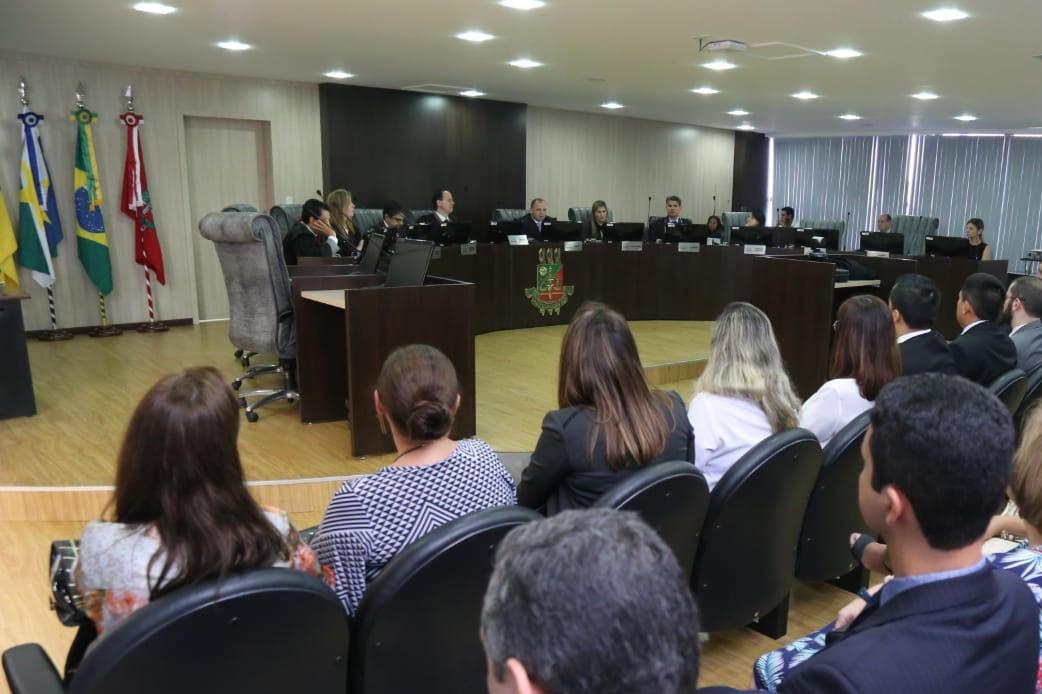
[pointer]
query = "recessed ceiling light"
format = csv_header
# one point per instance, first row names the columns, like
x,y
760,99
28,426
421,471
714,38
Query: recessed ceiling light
x,y
850,116
338,74
233,45
747,126
966,117
719,65
525,63
705,91
522,4
738,112
475,36
843,53
945,14
804,96
154,8
472,93
925,96
611,105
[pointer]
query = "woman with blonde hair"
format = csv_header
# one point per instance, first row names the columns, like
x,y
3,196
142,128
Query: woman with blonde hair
x,y
744,394
342,216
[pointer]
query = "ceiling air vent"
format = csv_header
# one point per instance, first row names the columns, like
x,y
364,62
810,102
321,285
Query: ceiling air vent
x,y
442,89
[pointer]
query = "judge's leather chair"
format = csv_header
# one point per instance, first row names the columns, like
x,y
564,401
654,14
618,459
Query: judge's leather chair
x,y
412,215
833,514
286,216
269,630
240,207
581,214
367,218
501,214
747,555
417,628
672,498
1010,388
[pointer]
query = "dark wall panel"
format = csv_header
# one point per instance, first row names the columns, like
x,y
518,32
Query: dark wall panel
x,y
749,192
384,144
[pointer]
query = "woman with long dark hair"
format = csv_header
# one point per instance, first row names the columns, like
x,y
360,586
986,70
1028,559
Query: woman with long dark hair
x,y
979,250
865,357
611,422
597,222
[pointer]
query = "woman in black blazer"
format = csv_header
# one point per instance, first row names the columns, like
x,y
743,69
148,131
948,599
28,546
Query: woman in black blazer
x,y
611,422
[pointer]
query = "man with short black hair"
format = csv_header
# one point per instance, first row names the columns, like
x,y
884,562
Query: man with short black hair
x,y
1022,311
913,305
589,602
885,223
311,237
983,351
786,217
533,222
443,205
657,227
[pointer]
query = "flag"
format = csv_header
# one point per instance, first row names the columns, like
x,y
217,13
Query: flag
x,y
136,202
91,240
8,247
39,226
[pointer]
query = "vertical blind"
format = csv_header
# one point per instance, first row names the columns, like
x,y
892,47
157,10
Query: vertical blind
x,y
953,178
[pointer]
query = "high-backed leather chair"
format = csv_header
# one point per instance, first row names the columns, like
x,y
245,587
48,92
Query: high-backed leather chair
x,y
240,207
1032,396
672,498
1010,388
915,229
367,218
582,214
270,630
839,225
249,248
502,214
411,216
747,554
833,514
286,216
417,628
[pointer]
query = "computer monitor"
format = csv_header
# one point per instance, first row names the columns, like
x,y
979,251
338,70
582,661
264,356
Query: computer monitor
x,y
741,236
684,233
444,234
830,236
782,237
623,231
559,232
374,245
409,263
948,246
811,238
888,242
496,232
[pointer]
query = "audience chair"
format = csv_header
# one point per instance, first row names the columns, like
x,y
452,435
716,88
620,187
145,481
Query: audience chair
x,y
833,514
1010,388
501,214
672,498
1032,396
582,214
366,219
747,555
249,248
417,628
270,630
286,216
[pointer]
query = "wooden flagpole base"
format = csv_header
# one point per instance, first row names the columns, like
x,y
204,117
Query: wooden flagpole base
x,y
105,331
152,327
54,335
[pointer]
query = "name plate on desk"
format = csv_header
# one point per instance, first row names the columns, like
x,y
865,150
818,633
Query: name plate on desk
x,y
572,246
436,253
754,249
688,247
469,248
632,246
877,254
517,240
713,241
807,250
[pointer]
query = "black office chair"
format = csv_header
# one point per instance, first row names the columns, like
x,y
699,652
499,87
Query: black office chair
x,y
833,514
505,214
416,629
1010,388
747,555
1032,396
411,216
270,630
673,498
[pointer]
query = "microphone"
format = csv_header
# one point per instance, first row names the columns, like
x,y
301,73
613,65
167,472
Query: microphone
x,y
319,194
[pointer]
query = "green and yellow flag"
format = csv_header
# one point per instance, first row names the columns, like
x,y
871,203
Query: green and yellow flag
x,y
8,247
91,240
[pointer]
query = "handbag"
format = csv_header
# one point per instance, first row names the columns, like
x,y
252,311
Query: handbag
x,y
65,600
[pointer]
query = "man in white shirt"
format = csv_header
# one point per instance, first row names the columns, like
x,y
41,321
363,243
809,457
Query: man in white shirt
x,y
443,205
913,305
1023,310
885,223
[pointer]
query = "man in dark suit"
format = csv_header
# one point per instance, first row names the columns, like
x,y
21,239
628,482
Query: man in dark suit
x,y
913,304
443,205
983,351
947,621
313,236
1022,311
533,222
657,227
786,217
392,226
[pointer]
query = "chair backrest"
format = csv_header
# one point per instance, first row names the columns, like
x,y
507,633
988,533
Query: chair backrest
x,y
839,225
417,626
582,214
367,218
747,555
240,207
502,214
1032,396
673,498
832,512
412,215
1010,388
915,230
269,630
286,216
249,248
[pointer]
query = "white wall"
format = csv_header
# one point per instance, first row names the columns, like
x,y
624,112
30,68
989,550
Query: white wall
x,y
575,158
164,98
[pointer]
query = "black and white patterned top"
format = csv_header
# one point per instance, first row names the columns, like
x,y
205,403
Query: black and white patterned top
x,y
371,518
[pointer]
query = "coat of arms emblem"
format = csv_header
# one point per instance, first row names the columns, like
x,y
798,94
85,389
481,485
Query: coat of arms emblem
x,y
550,292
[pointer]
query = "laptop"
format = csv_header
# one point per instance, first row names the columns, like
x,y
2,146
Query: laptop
x,y
409,263
374,245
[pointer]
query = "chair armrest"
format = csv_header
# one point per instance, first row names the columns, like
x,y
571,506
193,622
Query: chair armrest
x,y
30,671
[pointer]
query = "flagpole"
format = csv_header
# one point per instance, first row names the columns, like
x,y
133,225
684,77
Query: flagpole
x,y
54,334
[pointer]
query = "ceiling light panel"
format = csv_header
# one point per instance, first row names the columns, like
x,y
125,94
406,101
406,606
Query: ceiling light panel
x,y
738,112
945,14
233,45
154,8
843,53
338,74
472,93
522,4
705,91
612,105
525,63
719,65
925,96
475,36
805,96
850,116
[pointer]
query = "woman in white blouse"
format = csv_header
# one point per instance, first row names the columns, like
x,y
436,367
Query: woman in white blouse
x,y
744,395
865,357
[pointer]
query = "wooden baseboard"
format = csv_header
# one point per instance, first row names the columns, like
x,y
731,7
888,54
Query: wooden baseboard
x,y
84,329
660,374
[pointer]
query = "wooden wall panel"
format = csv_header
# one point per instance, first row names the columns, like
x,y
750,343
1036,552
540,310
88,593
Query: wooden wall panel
x,y
164,97
750,172
575,158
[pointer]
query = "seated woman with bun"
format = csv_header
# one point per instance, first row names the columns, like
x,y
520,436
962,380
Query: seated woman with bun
x,y
433,480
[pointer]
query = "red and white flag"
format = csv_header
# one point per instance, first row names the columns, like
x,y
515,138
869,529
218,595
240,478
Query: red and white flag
x,y
136,201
